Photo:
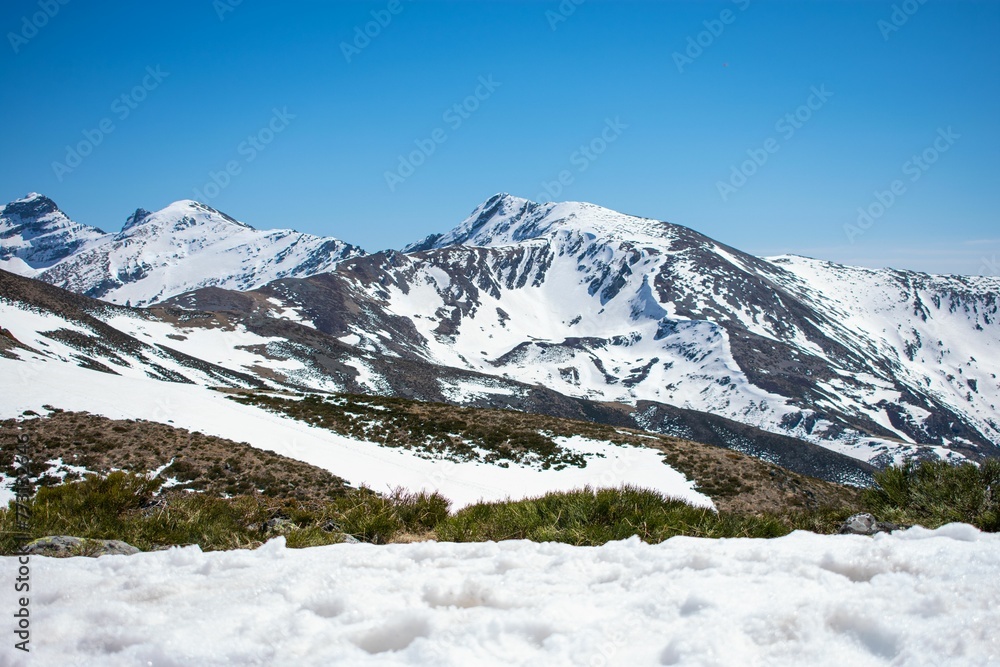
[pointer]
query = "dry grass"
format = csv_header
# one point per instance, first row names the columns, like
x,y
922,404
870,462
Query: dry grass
x,y
200,462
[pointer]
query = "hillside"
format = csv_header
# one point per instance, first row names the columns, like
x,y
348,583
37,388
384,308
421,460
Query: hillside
x,y
148,363
565,309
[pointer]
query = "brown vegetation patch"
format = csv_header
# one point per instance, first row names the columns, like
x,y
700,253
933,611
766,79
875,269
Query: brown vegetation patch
x,y
199,462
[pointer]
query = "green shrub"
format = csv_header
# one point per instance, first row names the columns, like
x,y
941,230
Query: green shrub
x,y
592,517
126,507
933,493
121,506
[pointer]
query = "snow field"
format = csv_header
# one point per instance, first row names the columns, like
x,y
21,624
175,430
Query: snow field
x,y
915,597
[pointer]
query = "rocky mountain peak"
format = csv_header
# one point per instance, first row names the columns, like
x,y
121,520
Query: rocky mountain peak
x,y
136,218
505,219
31,206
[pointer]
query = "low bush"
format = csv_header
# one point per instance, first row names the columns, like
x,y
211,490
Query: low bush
x,y
933,493
133,508
126,507
592,517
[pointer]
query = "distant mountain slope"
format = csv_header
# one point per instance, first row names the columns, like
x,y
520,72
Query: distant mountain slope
x,y
578,303
599,305
156,255
77,353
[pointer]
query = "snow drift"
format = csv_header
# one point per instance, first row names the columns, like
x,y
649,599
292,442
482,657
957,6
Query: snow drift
x,y
916,597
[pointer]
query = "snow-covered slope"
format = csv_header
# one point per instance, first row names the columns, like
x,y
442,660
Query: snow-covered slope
x,y
594,304
35,234
157,255
914,597
72,353
932,341
260,341
597,304
45,381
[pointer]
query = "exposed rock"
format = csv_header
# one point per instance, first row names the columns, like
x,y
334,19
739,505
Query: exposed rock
x,y
277,524
64,546
866,524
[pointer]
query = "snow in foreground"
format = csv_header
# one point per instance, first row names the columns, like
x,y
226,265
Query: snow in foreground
x,y
917,597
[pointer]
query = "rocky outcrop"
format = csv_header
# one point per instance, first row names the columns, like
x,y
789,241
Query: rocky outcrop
x,y
64,546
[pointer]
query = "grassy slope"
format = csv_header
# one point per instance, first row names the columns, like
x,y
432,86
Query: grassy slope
x,y
735,481
275,495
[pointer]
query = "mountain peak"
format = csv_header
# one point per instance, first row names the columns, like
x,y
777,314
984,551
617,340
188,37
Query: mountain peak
x,y
204,210
506,219
35,234
136,218
32,205
186,211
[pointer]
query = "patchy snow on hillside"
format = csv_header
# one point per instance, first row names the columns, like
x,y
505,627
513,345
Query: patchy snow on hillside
x,y
915,597
34,384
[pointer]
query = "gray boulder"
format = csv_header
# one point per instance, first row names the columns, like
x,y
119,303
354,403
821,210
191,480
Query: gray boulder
x,y
864,523
64,546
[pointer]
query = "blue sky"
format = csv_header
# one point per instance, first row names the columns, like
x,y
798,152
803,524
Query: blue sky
x,y
313,131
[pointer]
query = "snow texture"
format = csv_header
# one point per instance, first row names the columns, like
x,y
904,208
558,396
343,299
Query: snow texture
x,y
916,597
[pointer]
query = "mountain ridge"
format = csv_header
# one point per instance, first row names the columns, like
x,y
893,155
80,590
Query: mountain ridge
x,y
597,305
155,255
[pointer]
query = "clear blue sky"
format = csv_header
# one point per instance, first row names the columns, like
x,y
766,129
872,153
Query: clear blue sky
x,y
324,171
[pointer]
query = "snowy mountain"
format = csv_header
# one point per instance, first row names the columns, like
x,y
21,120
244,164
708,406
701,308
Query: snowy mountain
x,y
568,308
158,363
156,255
35,234
599,305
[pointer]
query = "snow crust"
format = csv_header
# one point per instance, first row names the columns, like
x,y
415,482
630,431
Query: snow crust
x,y
916,597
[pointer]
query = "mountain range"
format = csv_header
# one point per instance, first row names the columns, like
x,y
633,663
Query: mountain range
x,y
567,309
156,255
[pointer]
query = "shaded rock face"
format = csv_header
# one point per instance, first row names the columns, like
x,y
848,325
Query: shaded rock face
x,y
35,231
64,546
